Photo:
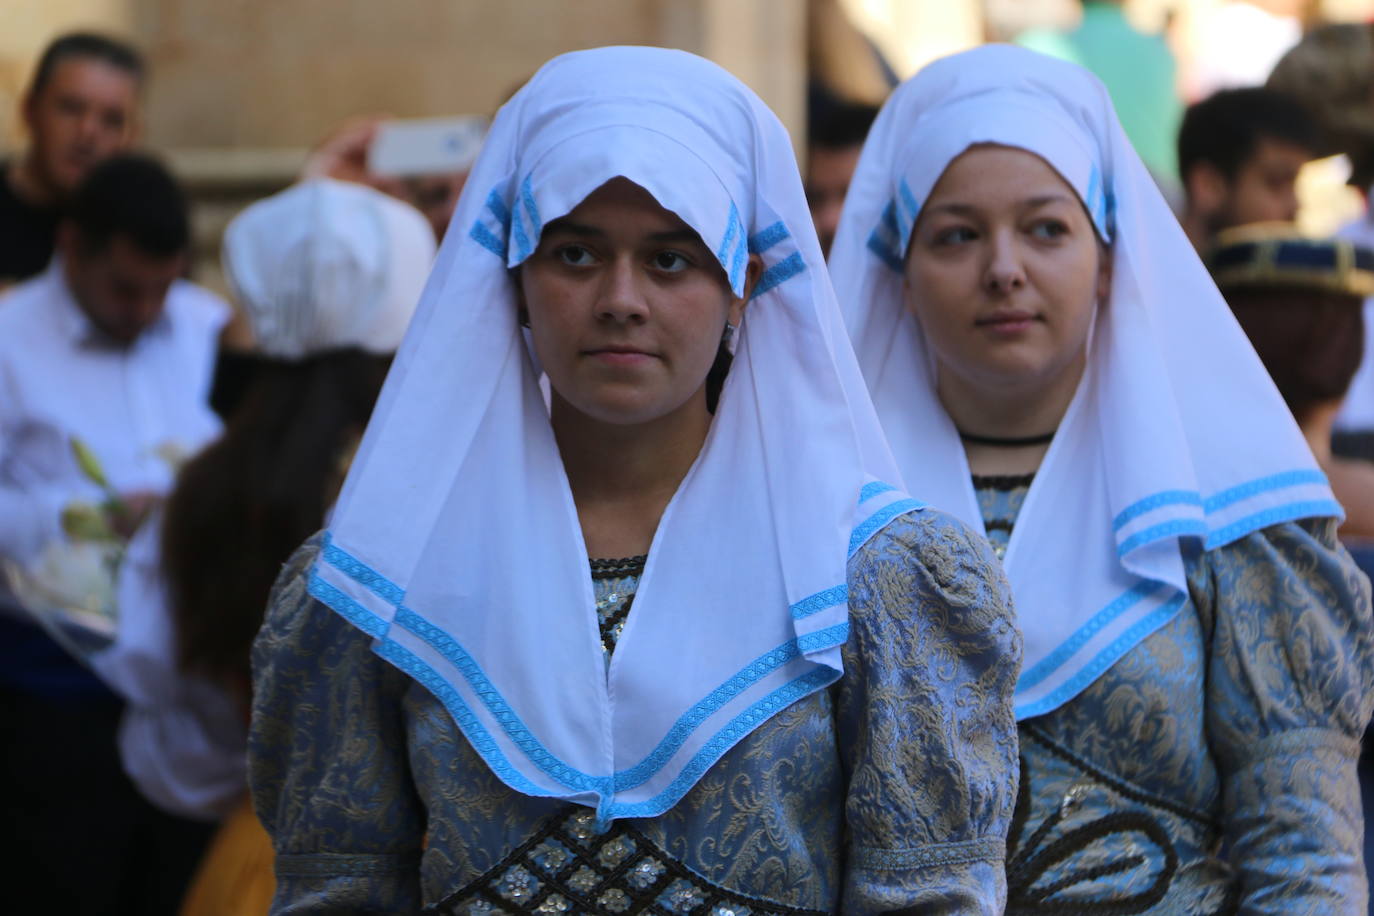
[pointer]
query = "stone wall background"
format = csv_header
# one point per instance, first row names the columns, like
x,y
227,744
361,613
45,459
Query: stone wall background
x,y
240,89
233,74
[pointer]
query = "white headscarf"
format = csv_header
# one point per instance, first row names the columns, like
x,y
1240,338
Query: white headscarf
x,y
1176,430
328,264
456,544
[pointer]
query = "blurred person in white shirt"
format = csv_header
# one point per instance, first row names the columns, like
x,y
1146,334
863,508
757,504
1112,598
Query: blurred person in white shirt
x,y
112,349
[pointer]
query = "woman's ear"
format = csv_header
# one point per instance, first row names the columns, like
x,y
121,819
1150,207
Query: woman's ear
x,y
522,311
752,273
1104,273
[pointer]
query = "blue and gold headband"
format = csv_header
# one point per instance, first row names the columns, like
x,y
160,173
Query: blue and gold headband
x,y
1275,255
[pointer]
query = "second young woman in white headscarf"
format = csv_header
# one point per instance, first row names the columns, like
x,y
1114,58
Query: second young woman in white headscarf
x,y
669,641
1053,365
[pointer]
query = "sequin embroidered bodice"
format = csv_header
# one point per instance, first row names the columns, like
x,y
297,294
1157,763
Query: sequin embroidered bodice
x,y
614,583
999,503
571,866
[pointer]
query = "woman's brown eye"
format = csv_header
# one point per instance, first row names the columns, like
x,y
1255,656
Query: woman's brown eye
x,y
955,235
670,261
575,255
1049,229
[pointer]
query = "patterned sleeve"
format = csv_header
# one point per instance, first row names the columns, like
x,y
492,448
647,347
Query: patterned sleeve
x,y
327,759
927,734
1288,696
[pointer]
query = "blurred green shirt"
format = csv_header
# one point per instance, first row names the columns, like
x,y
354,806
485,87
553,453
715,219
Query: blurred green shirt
x,y
1139,72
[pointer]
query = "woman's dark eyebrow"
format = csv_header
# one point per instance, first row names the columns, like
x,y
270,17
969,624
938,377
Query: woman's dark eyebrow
x,y
955,208
961,209
1048,199
676,235
568,227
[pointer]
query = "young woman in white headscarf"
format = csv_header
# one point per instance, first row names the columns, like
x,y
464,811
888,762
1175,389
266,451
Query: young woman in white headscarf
x,y
662,637
1053,365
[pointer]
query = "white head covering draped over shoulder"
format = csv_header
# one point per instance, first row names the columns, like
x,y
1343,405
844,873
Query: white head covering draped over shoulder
x,y
456,543
1176,430
328,264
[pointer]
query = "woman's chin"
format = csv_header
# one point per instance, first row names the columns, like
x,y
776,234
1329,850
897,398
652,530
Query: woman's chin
x,y
622,408
1012,368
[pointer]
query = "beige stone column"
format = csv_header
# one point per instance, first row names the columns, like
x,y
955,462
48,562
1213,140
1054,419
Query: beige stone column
x,y
912,33
763,42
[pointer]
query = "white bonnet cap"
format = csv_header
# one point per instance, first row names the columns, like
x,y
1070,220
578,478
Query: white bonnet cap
x,y
328,264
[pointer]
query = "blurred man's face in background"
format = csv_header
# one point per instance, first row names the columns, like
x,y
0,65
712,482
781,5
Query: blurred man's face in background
x,y
1264,188
828,172
435,196
121,288
85,112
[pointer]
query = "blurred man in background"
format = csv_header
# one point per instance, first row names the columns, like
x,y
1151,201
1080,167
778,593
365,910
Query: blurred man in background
x,y
1239,154
81,107
849,78
110,348
836,130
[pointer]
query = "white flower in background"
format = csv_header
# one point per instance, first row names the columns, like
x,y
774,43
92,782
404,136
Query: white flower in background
x,y
79,577
70,590
70,587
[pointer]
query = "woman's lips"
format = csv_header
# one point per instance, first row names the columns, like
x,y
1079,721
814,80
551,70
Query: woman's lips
x,y
1007,324
620,356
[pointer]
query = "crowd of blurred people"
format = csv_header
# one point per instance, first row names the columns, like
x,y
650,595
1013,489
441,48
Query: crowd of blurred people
x,y
222,431
213,427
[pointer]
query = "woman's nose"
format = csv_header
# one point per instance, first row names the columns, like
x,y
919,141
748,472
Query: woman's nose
x,y
1005,270
622,297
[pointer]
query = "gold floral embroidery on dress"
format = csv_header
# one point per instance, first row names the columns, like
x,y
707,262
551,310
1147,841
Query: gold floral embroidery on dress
x,y
1234,727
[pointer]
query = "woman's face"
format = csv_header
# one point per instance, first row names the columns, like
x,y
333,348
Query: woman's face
x,y
626,307
1004,272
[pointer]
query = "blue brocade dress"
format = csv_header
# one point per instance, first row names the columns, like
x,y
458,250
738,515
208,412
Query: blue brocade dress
x,y
890,791
1213,768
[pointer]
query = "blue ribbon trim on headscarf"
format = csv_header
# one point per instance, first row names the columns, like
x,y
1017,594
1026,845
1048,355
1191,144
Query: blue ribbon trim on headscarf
x,y
496,705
